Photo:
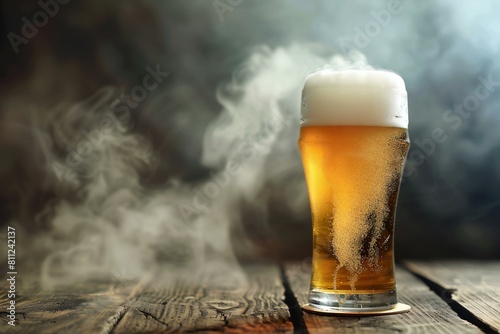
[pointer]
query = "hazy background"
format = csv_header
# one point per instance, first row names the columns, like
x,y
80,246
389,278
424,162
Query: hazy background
x,y
231,98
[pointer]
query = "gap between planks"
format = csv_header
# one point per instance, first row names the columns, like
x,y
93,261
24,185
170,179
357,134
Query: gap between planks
x,y
471,288
429,314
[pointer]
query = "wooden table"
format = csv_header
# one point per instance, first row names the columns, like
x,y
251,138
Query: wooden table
x,y
446,296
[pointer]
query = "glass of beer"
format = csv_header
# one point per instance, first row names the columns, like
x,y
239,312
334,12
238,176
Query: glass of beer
x,y
353,143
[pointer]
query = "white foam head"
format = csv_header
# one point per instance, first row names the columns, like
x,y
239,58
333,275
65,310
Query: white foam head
x,y
354,97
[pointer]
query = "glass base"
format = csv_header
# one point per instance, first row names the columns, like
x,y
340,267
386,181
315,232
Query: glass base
x,y
357,302
397,309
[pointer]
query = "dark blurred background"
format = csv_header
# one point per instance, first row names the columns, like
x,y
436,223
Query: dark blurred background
x,y
233,66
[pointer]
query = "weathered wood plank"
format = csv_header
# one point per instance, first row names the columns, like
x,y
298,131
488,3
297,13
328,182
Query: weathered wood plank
x,y
94,308
228,299
232,300
429,314
473,284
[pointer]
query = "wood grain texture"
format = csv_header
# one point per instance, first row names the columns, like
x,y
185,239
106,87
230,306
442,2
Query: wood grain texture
x,y
218,298
93,309
474,285
232,300
429,314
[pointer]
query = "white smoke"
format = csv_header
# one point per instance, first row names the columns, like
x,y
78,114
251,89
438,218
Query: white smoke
x,y
114,226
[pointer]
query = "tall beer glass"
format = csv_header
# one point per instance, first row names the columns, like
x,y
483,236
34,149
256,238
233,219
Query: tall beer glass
x,y
353,142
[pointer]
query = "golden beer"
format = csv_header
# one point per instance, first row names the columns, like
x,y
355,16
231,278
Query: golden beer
x,y
353,174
